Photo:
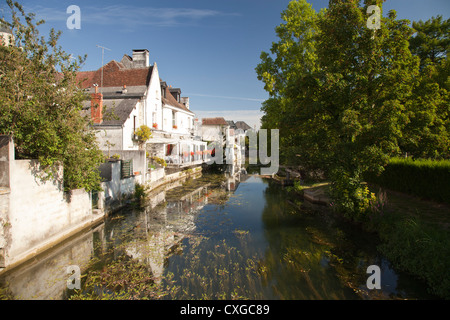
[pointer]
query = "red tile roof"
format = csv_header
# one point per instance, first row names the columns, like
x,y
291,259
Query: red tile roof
x,y
214,121
115,75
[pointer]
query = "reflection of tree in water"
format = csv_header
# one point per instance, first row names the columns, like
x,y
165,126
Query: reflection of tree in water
x,y
308,256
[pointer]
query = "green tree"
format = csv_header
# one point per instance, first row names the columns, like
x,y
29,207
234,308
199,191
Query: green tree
x,y
427,132
292,60
41,104
431,40
347,102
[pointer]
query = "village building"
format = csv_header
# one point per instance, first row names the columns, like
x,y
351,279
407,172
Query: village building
x,y
229,136
128,94
6,35
174,136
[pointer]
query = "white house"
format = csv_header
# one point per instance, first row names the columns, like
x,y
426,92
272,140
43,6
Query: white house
x,y
130,93
230,135
174,136
214,129
6,35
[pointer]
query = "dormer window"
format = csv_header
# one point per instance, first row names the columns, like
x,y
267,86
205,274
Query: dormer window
x,y
163,88
176,93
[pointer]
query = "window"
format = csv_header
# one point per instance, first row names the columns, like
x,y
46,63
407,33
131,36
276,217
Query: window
x,y
174,119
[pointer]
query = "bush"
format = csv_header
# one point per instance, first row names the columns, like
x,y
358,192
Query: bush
x,y
350,196
143,133
424,178
139,192
159,161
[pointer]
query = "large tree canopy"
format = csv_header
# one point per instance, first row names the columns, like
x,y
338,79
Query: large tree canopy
x,y
342,94
40,104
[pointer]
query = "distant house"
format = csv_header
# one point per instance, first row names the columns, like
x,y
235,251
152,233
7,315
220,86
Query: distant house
x,y
214,129
242,125
229,135
6,35
231,124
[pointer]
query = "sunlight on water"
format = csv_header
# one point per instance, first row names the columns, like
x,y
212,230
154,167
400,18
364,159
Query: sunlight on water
x,y
215,237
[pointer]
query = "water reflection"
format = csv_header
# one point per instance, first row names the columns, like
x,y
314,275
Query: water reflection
x,y
45,277
215,237
312,254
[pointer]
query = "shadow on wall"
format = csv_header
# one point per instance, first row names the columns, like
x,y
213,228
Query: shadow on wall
x,y
117,187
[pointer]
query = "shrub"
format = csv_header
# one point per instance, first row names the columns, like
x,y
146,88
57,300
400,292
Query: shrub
x,y
139,192
350,196
159,161
143,133
424,178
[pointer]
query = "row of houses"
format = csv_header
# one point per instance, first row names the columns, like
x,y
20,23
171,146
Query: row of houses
x,y
125,95
128,94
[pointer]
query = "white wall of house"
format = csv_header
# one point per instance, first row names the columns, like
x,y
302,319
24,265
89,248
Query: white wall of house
x,y
212,132
116,188
184,123
167,120
153,105
111,136
38,214
130,125
183,120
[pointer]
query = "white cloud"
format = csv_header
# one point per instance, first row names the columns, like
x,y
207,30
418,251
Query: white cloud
x,y
128,16
225,97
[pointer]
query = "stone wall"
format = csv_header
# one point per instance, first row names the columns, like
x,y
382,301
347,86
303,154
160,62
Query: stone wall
x,y
36,213
139,161
115,190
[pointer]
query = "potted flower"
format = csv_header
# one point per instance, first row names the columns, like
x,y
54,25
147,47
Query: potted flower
x,y
155,126
175,126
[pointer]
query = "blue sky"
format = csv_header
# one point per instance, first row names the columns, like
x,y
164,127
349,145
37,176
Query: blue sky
x,y
208,48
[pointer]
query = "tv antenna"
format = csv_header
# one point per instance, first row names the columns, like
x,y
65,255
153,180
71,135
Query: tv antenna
x,y
103,53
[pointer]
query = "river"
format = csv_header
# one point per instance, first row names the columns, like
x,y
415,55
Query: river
x,y
215,237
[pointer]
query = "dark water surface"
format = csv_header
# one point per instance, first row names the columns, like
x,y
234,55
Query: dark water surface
x,y
217,238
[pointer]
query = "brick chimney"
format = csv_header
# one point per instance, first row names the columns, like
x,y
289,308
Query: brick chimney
x,y
97,107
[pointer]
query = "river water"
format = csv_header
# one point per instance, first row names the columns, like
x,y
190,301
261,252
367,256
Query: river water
x,y
215,237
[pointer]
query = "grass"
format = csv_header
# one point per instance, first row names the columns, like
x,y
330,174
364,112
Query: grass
x,y
415,237
432,213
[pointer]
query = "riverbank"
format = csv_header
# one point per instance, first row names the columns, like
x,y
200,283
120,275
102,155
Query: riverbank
x,y
415,237
414,233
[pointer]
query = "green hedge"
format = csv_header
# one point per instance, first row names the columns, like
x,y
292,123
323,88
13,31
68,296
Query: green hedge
x,y
429,179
